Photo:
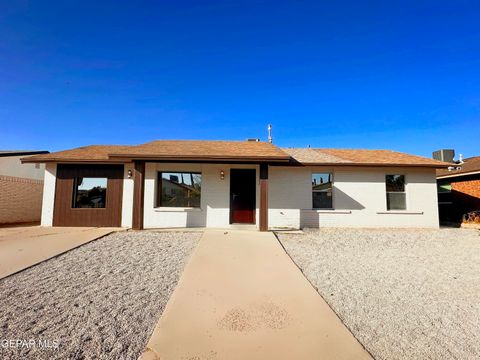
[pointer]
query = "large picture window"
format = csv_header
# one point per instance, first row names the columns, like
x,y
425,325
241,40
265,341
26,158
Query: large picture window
x,y
179,189
396,196
89,192
322,190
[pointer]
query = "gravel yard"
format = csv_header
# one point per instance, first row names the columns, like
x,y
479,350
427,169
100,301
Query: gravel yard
x,y
405,294
101,300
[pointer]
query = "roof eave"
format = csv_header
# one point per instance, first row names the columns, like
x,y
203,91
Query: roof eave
x,y
434,166
467,173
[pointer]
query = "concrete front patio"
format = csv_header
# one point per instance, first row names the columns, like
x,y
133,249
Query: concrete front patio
x,y
24,246
241,297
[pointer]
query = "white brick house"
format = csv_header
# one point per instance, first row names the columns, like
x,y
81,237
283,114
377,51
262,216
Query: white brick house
x,y
222,184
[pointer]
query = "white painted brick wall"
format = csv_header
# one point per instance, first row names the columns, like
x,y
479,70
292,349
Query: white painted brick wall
x,y
358,197
287,194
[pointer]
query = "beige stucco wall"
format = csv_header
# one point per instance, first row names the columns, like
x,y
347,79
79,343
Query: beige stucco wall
x,y
214,208
12,166
359,198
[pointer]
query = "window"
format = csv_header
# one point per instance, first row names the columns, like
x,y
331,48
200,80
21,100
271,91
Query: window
x,y
396,197
322,190
89,192
179,189
444,188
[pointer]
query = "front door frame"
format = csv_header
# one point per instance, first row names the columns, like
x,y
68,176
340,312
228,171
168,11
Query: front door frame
x,y
254,208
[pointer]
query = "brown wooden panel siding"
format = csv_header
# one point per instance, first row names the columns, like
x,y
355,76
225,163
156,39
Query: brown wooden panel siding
x,y
65,215
138,195
263,205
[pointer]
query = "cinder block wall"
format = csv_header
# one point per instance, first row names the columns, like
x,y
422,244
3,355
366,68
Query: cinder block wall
x,y
20,199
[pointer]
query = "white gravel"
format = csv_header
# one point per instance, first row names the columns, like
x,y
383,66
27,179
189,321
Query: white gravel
x,y
404,294
100,301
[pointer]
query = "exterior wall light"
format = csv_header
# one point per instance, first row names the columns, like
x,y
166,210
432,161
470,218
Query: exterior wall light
x,y
222,175
129,174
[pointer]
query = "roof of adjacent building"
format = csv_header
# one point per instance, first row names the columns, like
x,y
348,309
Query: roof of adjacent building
x,y
4,153
92,153
235,151
311,156
468,167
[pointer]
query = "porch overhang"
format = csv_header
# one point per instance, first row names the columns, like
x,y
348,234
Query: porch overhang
x,y
139,188
201,159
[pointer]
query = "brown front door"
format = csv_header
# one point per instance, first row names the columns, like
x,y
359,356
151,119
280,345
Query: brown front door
x,y
88,195
242,196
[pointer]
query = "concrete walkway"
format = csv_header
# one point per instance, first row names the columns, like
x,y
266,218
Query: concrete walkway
x,y
24,246
241,297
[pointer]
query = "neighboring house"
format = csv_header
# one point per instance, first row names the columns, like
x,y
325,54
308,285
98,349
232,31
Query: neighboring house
x,y
459,189
21,188
164,184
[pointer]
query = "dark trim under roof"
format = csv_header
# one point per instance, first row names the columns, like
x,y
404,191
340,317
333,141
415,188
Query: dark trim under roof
x,y
5,153
199,158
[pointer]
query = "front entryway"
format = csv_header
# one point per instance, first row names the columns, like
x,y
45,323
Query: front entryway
x,y
242,196
88,195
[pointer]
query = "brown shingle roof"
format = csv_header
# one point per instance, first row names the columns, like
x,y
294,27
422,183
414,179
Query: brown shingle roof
x,y
169,150
187,150
312,156
203,150
470,165
360,157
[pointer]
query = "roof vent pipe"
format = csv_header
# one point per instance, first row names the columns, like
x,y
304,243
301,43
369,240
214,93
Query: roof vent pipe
x,y
270,139
460,158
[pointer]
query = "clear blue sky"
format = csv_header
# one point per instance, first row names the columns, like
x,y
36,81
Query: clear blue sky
x,y
401,75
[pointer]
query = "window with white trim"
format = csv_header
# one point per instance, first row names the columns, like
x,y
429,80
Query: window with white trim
x,y
396,195
322,185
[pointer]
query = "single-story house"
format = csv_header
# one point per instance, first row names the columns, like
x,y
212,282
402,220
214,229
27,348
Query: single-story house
x,y
167,184
459,189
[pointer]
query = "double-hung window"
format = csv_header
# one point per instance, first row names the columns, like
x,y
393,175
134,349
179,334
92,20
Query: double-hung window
x,y
322,184
396,195
179,189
